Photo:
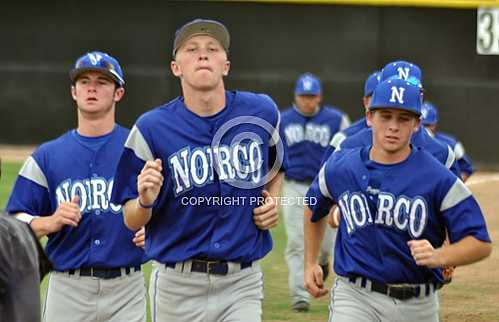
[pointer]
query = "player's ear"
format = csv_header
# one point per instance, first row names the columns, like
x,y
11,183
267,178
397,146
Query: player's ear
x,y
175,68
73,92
369,117
119,93
366,101
226,68
417,123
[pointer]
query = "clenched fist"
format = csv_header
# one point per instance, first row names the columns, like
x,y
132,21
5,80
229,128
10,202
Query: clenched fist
x,y
149,182
67,213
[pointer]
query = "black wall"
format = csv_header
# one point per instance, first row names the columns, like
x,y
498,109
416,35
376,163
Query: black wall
x,y
271,46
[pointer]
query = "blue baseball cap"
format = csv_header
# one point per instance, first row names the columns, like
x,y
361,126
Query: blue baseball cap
x,y
399,94
429,114
402,69
308,84
198,27
100,62
371,82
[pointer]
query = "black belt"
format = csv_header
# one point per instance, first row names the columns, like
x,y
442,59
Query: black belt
x,y
216,267
399,292
104,273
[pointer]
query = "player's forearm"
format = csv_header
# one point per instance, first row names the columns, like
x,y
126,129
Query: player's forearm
x,y
313,236
274,185
41,226
136,216
466,251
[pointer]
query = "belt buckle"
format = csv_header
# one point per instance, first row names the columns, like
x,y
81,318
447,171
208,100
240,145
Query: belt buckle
x,y
401,292
217,267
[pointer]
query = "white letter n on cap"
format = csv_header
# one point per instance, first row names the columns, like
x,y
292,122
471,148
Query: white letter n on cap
x,y
403,72
398,94
94,58
307,84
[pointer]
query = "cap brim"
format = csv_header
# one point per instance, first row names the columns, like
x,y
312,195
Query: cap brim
x,y
394,108
305,93
212,29
75,73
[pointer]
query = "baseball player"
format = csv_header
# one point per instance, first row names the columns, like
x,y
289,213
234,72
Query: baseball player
x,y
369,85
307,127
396,203
63,191
399,68
429,118
192,172
23,265
421,138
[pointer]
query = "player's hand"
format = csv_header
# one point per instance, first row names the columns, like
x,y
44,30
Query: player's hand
x,y
313,281
150,181
424,254
334,217
140,238
266,216
67,213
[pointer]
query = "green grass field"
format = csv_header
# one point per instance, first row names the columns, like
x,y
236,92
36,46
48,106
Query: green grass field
x,y
276,303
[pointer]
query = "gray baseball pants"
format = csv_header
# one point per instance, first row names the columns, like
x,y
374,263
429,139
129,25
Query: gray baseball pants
x,y
179,295
350,302
293,208
75,298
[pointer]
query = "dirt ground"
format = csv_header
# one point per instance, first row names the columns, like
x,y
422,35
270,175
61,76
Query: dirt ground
x,y
15,153
473,296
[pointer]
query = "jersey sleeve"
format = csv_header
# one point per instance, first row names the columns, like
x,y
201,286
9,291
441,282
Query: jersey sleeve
x,y
345,122
135,154
451,162
334,145
319,195
462,214
277,144
30,193
463,160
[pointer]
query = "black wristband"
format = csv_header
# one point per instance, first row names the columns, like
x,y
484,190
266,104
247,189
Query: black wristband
x,y
146,206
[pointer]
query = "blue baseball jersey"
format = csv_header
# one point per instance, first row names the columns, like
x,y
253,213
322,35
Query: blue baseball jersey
x,y
307,137
462,159
339,137
420,138
61,169
383,206
211,181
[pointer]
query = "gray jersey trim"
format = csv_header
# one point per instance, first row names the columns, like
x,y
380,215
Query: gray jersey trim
x,y
345,122
337,139
138,144
459,151
457,193
275,136
322,183
451,157
32,171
